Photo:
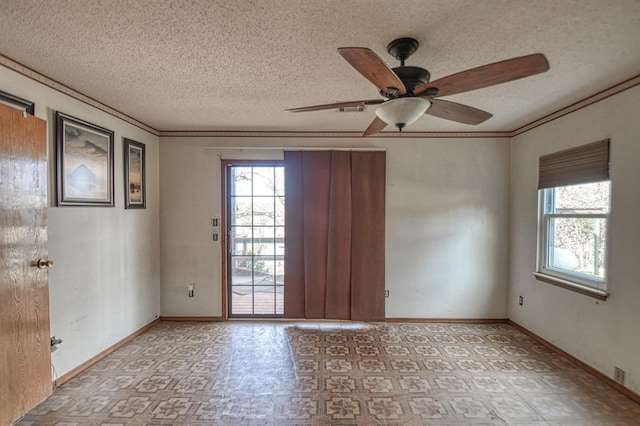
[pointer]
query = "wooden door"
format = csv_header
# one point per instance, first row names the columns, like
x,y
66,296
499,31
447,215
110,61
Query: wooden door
x,y
25,357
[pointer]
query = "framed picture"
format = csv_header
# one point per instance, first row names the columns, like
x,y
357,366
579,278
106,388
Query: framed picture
x,y
17,102
84,166
134,175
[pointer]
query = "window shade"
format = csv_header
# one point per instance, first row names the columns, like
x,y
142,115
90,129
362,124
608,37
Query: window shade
x,y
582,164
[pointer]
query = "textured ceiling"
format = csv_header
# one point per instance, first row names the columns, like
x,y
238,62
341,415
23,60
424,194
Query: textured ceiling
x,y
237,64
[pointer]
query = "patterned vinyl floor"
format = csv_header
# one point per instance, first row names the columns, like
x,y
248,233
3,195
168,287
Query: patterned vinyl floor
x,y
285,373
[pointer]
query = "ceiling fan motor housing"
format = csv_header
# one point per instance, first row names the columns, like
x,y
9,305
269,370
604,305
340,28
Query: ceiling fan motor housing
x,y
412,77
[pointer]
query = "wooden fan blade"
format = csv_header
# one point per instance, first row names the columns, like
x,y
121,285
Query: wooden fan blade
x,y
337,105
457,112
367,63
488,75
375,127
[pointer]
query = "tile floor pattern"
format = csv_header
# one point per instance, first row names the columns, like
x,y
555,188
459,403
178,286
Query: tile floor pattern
x,y
281,373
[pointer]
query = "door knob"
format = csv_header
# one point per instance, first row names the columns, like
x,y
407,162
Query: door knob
x,y
42,263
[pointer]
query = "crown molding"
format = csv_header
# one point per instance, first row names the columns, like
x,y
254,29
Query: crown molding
x,y
395,135
620,87
34,75
53,84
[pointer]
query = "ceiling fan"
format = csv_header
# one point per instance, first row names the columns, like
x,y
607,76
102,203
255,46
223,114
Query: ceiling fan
x,y
409,94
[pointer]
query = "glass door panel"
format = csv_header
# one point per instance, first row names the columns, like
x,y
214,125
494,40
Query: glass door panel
x,y
256,240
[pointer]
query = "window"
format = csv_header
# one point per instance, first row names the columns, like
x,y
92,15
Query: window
x,y
574,214
574,233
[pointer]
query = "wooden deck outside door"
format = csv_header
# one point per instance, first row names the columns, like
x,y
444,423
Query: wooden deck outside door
x,y
25,357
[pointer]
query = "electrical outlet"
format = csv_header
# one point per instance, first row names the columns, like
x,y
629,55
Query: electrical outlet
x,y
521,300
386,293
618,375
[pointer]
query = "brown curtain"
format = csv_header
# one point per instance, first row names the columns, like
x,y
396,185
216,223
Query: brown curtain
x,y
334,235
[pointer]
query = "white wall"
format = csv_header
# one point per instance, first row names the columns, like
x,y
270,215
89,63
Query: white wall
x,y
446,222
105,281
190,182
602,334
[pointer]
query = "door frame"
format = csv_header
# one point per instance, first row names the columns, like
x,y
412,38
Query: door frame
x,y
224,235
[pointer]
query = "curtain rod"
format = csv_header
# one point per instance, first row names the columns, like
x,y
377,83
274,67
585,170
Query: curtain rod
x,y
290,148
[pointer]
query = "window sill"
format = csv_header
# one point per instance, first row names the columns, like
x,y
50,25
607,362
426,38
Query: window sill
x,y
578,288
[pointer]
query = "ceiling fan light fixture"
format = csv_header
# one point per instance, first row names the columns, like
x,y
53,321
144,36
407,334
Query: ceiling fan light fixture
x,y
402,112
